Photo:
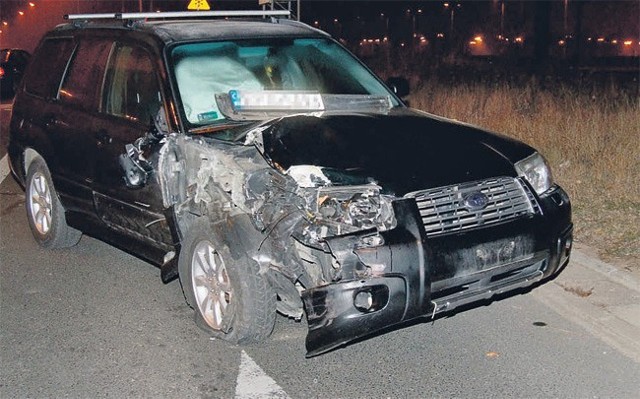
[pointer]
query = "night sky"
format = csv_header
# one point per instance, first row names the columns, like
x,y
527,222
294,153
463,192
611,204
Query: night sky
x,y
357,20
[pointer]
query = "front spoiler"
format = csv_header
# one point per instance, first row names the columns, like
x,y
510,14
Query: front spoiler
x,y
403,291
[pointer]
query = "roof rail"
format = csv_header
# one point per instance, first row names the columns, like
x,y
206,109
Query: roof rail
x,y
180,14
293,22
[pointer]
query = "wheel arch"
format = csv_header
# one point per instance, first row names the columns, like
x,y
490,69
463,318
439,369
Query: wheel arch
x,y
29,156
237,232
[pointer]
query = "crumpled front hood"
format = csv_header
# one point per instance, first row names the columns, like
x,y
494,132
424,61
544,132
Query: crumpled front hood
x,y
403,151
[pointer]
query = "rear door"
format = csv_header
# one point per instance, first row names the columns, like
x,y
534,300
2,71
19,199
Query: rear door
x,y
71,122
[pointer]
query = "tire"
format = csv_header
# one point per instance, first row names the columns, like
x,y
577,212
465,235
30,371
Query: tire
x,y
44,210
231,300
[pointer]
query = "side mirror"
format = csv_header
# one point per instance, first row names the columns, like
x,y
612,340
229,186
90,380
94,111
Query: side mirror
x,y
399,85
158,127
136,169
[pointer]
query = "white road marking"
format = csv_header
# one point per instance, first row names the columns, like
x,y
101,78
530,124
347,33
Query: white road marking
x,y
4,167
254,383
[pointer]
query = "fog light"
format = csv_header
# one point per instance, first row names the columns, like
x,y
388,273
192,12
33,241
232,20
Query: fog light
x,y
363,301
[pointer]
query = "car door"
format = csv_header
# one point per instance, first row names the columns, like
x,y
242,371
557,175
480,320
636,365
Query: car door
x,y
68,119
131,100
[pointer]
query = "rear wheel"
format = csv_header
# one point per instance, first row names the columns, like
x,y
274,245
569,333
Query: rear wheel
x,y
231,299
44,210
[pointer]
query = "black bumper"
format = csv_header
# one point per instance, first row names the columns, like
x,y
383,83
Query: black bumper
x,y
418,276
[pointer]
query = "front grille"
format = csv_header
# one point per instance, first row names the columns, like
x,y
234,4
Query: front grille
x,y
443,209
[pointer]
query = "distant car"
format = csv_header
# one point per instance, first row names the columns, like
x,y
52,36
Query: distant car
x,y
266,167
12,65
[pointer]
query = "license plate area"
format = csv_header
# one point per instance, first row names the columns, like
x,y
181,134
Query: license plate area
x,y
451,261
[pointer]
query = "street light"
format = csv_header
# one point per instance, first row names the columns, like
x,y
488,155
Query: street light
x,y
451,19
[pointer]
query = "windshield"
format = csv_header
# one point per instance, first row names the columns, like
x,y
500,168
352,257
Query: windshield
x,y
206,70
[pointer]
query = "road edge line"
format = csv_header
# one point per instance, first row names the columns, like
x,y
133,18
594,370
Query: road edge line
x,y
254,383
4,167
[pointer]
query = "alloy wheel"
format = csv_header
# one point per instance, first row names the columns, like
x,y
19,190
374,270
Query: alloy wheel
x,y
40,203
211,285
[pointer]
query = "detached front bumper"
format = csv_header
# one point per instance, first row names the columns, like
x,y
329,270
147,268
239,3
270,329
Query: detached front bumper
x,y
410,281
341,312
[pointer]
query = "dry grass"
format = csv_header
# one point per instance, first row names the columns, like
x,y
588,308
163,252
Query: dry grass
x,y
592,143
579,291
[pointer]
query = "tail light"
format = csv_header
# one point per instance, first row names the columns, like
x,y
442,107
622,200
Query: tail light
x,y
1,72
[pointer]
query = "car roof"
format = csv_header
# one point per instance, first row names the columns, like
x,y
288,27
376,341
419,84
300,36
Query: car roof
x,y
170,31
229,29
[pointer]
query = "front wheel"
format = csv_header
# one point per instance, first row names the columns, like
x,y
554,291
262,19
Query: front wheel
x,y
230,298
44,210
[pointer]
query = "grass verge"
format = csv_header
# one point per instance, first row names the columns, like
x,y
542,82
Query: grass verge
x,y
592,142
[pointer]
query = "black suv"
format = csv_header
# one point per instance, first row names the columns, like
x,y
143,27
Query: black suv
x,y
266,167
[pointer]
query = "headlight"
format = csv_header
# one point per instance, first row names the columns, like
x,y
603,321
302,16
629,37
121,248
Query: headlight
x,y
534,168
351,208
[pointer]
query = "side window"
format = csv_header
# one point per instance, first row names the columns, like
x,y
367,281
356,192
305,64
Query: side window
x,y
84,76
47,67
132,90
20,58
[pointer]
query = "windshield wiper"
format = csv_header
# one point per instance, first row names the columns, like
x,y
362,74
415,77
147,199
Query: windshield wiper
x,y
218,127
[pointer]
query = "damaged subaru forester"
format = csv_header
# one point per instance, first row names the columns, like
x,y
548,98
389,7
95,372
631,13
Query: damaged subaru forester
x,y
271,171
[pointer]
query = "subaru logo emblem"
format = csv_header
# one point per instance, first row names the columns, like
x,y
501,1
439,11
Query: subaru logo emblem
x,y
475,201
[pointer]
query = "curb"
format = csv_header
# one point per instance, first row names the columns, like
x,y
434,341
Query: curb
x,y
611,272
600,298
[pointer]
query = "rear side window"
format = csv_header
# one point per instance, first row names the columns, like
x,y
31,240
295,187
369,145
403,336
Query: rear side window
x,y
131,89
84,77
47,67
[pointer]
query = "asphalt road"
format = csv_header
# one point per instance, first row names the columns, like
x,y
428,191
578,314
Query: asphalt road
x,y
93,321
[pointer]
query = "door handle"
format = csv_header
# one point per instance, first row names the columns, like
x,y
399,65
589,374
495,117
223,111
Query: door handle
x,y
103,138
51,121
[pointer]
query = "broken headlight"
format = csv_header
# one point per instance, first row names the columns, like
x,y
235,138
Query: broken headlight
x,y
535,170
346,209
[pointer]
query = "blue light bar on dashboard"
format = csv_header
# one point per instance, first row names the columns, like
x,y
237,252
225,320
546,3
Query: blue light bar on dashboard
x,y
249,101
